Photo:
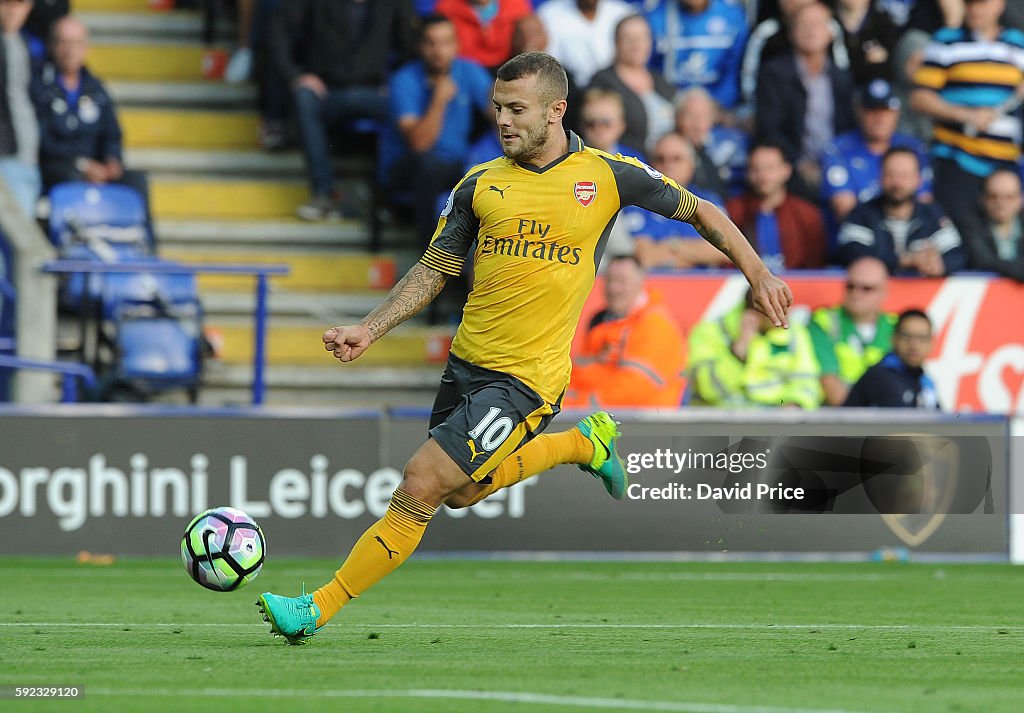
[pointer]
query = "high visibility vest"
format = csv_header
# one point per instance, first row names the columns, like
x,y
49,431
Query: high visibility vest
x,y
780,368
852,354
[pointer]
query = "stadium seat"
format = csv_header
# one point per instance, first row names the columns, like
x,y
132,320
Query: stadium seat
x,y
89,222
118,209
152,326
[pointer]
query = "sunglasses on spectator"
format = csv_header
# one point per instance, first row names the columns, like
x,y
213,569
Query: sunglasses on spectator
x,y
594,123
856,287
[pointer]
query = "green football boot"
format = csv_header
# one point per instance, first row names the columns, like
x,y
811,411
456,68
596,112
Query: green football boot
x,y
603,431
294,618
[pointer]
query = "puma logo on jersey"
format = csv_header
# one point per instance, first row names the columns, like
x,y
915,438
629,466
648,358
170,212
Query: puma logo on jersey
x,y
500,191
473,451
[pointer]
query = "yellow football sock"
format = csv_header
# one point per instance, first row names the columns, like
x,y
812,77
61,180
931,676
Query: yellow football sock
x,y
542,453
385,545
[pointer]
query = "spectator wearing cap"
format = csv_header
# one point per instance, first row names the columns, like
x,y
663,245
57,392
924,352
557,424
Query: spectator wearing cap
x,y
908,235
851,165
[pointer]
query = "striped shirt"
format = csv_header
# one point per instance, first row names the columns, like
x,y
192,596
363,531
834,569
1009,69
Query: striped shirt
x,y
978,74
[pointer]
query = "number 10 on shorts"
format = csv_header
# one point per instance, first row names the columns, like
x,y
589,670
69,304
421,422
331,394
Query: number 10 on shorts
x,y
494,432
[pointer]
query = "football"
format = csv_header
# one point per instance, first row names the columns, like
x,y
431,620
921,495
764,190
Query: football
x,y
223,549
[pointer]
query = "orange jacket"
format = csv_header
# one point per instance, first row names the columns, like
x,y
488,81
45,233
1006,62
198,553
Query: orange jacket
x,y
636,361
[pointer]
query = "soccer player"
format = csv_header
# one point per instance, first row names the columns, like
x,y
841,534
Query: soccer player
x,y
538,217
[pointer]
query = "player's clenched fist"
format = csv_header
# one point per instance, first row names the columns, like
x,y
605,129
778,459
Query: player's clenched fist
x,y
347,343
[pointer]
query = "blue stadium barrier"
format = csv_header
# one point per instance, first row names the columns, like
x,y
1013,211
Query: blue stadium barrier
x,y
261,272
71,371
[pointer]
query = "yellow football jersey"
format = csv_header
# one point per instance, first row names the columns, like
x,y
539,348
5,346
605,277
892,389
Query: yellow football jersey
x,y
537,236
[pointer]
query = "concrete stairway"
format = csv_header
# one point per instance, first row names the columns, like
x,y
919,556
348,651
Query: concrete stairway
x,y
217,197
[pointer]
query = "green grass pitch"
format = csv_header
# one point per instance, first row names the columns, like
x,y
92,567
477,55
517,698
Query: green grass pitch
x,y
460,636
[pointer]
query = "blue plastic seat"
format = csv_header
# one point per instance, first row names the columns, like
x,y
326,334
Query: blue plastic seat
x,y
153,321
97,223
157,353
110,206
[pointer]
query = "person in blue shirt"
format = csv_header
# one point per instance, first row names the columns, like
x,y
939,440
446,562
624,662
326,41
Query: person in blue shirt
x,y
660,241
851,164
899,380
700,42
434,103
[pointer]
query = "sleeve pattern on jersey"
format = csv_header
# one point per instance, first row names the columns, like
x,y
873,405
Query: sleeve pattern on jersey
x,y
437,259
456,229
687,206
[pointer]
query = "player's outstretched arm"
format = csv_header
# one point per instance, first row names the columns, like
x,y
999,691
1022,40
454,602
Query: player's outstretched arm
x,y
413,292
771,295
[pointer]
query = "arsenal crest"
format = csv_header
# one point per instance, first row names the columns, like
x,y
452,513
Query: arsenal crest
x,y
585,192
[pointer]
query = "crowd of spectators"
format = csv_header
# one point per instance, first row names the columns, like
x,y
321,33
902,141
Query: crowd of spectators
x,y
819,94
830,131
854,354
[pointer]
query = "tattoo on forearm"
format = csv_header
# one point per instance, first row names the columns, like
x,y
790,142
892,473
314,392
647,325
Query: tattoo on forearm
x,y
713,236
413,292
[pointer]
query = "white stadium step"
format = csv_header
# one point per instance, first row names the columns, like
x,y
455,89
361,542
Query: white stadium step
x,y
263,234
327,307
252,164
138,25
183,94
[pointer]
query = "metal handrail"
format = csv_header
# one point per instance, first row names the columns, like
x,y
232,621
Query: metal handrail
x,y
260,272
7,289
69,369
